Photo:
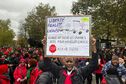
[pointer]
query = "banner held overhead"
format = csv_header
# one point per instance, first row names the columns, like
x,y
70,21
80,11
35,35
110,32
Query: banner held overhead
x,y
68,36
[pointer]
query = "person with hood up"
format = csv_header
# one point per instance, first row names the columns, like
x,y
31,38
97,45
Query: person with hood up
x,y
20,73
4,78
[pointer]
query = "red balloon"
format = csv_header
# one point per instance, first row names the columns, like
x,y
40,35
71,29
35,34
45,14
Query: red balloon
x,y
52,48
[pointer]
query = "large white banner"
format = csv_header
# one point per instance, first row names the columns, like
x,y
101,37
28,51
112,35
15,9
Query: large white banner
x,y
68,36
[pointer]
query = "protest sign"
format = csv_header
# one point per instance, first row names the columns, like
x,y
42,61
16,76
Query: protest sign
x,y
68,36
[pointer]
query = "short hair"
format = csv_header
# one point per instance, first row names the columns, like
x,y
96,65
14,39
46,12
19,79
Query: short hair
x,y
33,62
114,57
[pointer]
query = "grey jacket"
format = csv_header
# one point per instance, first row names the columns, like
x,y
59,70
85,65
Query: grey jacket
x,y
45,78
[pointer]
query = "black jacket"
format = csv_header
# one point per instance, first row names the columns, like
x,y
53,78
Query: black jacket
x,y
80,74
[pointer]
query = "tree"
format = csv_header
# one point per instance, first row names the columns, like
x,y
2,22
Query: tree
x,y
35,22
6,34
22,37
108,16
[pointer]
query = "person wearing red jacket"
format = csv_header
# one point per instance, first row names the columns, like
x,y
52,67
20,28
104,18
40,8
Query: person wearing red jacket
x,y
20,73
33,71
4,79
98,71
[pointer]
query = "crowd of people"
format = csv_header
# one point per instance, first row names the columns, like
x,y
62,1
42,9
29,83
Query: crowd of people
x,y
29,66
20,64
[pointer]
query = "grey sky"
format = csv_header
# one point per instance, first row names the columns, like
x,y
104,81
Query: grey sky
x,y
16,10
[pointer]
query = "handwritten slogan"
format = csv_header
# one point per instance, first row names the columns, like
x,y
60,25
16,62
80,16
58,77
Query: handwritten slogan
x,y
68,36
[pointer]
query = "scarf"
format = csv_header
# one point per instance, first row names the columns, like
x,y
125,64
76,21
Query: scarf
x,y
68,77
28,73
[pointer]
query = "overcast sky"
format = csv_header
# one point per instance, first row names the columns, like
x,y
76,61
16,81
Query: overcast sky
x,y
16,10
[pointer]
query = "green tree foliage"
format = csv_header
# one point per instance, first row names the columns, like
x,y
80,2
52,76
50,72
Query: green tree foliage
x,y
35,22
6,34
108,16
22,42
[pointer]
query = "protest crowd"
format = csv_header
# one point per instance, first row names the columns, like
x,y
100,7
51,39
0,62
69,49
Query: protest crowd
x,y
62,41
29,66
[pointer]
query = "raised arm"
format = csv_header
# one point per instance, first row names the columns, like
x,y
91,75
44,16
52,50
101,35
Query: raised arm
x,y
85,71
47,66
